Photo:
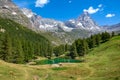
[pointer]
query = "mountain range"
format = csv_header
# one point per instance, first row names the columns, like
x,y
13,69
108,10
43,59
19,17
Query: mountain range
x,y
65,32
83,22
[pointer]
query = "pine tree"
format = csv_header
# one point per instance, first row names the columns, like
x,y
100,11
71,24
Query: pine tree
x,y
91,41
50,51
7,49
84,48
59,50
66,47
98,39
78,46
105,36
113,33
19,56
1,46
73,51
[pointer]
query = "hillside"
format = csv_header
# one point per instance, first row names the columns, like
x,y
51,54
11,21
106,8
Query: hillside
x,y
102,63
20,44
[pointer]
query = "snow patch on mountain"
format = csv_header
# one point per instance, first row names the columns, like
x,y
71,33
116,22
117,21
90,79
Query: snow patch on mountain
x,y
27,12
14,13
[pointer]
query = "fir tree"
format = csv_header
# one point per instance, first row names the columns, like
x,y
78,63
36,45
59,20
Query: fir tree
x,y
7,49
113,33
19,55
98,39
73,51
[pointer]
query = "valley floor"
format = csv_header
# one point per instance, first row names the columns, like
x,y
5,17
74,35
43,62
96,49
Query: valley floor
x,y
103,63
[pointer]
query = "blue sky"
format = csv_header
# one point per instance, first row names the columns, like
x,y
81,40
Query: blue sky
x,y
104,12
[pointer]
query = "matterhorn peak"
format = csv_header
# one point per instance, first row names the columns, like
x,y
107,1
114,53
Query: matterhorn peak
x,y
85,13
84,16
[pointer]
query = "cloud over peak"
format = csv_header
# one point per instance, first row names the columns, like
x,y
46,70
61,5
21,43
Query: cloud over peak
x,y
110,15
41,3
92,10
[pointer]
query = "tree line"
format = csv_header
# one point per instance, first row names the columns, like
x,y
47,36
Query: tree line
x,y
80,47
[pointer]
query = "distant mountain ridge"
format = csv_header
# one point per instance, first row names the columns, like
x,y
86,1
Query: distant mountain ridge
x,y
110,28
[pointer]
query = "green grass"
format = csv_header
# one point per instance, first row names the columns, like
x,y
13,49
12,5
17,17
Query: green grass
x,y
105,60
102,63
59,68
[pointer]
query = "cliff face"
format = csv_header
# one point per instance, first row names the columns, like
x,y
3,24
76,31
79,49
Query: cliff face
x,y
9,10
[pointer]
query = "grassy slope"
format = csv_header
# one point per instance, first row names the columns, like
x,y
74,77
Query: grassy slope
x,y
103,63
51,38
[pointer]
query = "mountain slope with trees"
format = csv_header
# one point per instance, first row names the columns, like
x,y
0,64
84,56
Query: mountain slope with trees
x,y
82,46
19,44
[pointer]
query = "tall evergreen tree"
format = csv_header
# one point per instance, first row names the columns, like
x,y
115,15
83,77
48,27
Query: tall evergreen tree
x,y
84,48
91,41
19,55
66,47
73,51
113,33
1,46
7,49
98,39
59,50
105,36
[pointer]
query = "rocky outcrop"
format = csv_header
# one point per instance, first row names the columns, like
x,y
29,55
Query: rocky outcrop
x,y
9,10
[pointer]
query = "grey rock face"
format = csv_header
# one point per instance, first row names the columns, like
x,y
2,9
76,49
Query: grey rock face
x,y
9,10
45,24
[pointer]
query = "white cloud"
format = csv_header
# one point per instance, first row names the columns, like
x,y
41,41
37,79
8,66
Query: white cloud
x,y
70,1
110,15
91,10
41,3
100,5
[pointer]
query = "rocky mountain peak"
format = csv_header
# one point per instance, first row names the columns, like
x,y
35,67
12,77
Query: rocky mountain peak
x,y
84,16
84,22
88,23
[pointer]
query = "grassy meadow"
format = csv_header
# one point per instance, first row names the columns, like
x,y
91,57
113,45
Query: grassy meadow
x,y
102,63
